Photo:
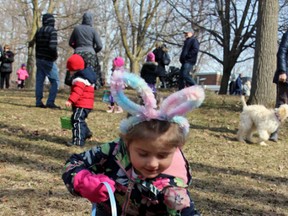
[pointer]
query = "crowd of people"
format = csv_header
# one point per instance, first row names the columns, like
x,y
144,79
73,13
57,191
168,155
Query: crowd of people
x,y
145,165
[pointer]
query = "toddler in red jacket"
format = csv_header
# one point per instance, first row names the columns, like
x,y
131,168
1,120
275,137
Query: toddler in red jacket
x,y
81,98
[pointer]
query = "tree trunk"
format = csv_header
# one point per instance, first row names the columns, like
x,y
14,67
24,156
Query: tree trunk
x,y
263,90
135,66
228,65
224,81
31,67
31,47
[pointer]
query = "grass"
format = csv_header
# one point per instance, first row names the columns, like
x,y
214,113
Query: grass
x,y
229,178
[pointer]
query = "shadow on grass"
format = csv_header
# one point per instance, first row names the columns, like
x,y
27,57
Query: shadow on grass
x,y
271,198
214,129
264,197
35,201
21,132
216,171
18,104
228,209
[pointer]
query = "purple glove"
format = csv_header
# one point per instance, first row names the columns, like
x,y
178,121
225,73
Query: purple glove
x,y
89,186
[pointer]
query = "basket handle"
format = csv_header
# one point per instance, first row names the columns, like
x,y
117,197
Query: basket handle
x,y
112,201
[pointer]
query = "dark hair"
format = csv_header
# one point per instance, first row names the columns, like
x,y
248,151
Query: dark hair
x,y
170,133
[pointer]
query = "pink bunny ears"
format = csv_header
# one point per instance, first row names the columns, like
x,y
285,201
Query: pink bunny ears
x,y
172,109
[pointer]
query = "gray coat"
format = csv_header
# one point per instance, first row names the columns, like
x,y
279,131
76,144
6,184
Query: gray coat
x,y
84,37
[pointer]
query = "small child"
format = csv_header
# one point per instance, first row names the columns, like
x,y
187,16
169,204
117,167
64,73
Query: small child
x,y
145,167
149,71
22,75
81,98
118,65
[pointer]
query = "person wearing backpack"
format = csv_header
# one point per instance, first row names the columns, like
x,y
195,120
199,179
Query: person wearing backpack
x,y
162,58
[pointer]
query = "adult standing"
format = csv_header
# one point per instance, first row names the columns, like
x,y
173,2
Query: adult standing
x,y
188,59
280,77
86,42
163,59
46,55
238,85
7,59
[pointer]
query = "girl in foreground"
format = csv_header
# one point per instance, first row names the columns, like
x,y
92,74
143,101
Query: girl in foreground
x,y
145,166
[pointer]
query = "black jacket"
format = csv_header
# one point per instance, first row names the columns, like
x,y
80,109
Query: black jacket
x,y
158,52
282,58
46,39
6,62
189,51
149,72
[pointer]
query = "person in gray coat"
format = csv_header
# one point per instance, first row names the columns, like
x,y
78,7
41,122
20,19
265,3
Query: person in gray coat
x,y
86,42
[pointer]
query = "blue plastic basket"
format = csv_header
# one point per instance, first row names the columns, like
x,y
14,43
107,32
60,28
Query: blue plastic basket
x,y
112,202
106,96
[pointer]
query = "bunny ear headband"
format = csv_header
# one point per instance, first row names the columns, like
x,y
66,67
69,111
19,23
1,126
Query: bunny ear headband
x,y
172,109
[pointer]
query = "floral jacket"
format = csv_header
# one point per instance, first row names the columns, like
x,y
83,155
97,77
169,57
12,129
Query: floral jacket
x,y
164,195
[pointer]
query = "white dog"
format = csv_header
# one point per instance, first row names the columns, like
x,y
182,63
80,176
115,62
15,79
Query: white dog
x,y
258,118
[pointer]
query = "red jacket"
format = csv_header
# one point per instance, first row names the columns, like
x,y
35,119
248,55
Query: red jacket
x,y
82,93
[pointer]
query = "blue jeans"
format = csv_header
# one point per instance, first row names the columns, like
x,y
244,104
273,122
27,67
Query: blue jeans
x,y
46,69
185,78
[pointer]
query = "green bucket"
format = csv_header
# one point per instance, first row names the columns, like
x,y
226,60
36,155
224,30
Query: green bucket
x,y
66,122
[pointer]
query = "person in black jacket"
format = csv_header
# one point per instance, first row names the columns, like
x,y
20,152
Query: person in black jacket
x,y
280,77
46,55
188,59
7,59
149,71
238,85
163,59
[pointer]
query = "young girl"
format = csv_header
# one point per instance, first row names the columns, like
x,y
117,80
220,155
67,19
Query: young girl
x,y
118,64
149,71
22,75
145,166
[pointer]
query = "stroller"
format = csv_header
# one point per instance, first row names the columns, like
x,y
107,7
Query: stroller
x,y
172,77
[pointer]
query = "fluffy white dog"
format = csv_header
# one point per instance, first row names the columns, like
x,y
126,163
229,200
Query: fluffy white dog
x,y
257,118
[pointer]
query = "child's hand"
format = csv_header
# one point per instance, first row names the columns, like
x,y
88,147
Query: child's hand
x,y
68,104
90,186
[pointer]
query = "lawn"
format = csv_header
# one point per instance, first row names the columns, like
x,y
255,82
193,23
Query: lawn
x,y
229,178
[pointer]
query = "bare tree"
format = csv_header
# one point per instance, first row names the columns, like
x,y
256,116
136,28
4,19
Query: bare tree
x,y
263,90
137,24
228,26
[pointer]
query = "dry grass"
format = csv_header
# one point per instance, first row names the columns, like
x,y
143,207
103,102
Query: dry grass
x,y
230,178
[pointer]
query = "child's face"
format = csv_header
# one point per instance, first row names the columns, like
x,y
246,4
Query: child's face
x,y
150,158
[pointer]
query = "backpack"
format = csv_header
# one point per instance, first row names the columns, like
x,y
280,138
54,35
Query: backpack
x,y
166,58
